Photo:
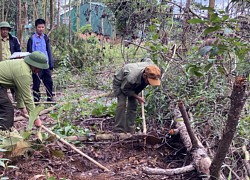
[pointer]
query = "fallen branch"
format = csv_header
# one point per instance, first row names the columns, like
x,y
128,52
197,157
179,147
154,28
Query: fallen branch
x,y
182,130
184,114
201,161
74,148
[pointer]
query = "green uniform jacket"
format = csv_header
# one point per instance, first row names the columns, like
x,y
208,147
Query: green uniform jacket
x,y
128,79
17,74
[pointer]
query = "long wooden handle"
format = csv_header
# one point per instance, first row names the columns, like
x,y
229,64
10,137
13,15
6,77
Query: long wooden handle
x,y
74,148
144,127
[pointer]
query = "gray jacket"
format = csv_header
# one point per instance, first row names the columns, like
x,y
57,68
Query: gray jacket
x,y
129,79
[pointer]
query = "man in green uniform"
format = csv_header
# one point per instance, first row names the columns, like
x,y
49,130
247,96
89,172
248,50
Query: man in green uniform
x,y
127,84
18,74
8,43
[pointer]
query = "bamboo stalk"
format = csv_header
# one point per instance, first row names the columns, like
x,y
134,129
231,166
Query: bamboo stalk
x,y
74,148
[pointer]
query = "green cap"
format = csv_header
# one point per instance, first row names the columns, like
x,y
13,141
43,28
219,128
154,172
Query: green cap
x,y
5,24
37,59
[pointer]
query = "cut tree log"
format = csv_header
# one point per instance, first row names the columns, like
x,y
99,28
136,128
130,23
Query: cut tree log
x,y
122,137
169,172
147,139
74,148
238,98
201,161
103,137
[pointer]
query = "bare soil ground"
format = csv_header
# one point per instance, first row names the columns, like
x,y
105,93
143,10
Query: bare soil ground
x,y
124,158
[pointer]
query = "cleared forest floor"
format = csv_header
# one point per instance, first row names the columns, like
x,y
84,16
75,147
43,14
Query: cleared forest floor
x,y
124,158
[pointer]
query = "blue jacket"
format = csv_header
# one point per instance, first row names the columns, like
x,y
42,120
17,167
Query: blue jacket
x,y
48,48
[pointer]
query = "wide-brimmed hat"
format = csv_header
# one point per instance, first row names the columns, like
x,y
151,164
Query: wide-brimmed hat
x,y
37,59
5,24
153,74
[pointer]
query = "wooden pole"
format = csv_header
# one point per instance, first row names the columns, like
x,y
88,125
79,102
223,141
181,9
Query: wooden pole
x,y
58,15
74,148
144,127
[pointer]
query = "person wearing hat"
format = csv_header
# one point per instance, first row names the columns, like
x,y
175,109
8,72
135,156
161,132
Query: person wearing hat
x,y
127,84
17,74
9,44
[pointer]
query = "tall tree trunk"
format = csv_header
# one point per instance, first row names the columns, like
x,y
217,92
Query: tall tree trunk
x,y
185,24
45,10
58,10
212,3
238,99
3,2
24,21
19,28
65,2
78,15
69,21
7,12
16,19
90,11
35,16
51,14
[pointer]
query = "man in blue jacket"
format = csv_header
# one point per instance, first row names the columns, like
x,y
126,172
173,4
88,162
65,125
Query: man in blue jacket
x,y
40,42
9,44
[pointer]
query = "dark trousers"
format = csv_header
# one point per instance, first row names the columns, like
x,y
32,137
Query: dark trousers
x,y
45,76
6,110
125,116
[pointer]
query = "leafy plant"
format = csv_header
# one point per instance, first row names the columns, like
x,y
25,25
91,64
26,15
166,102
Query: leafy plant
x,y
4,164
101,110
86,29
15,142
68,129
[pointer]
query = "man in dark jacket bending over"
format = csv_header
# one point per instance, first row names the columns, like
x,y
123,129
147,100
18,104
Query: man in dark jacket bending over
x,y
127,84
